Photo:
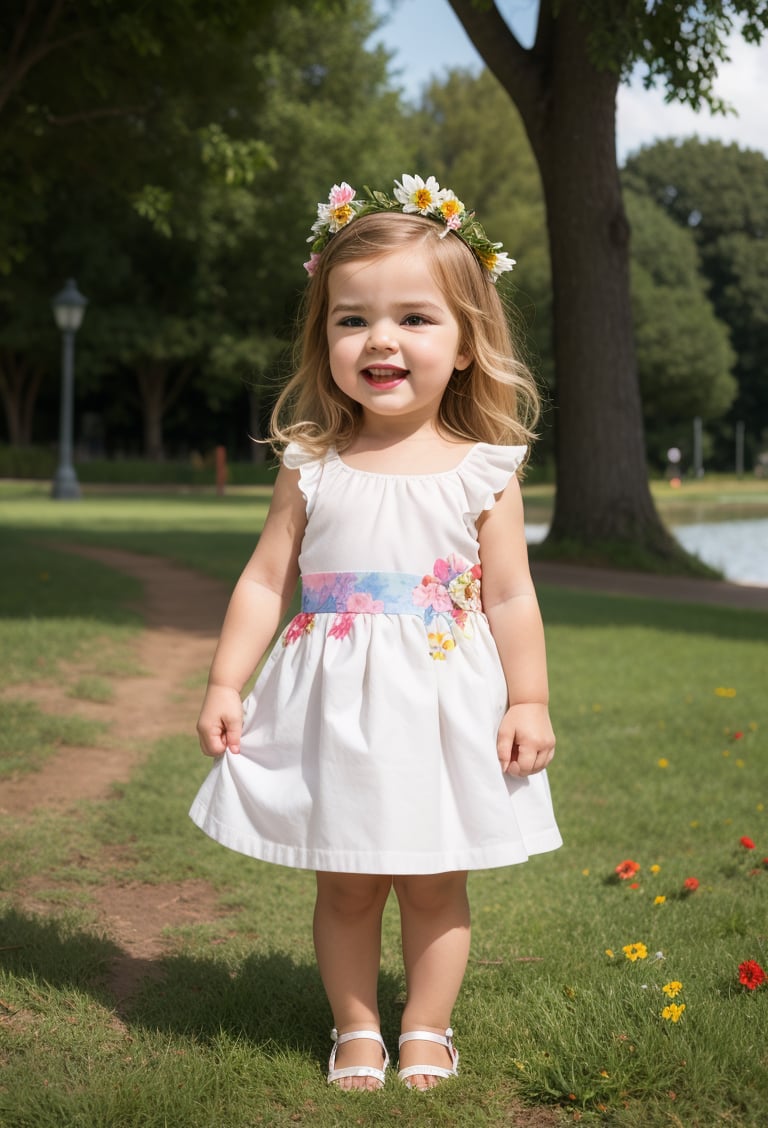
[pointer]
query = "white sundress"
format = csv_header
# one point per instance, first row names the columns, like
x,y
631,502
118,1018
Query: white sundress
x,y
369,739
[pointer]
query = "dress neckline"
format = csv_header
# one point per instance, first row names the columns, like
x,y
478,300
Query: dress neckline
x,y
334,455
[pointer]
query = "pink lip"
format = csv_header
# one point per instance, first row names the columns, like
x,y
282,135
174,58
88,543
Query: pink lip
x,y
397,375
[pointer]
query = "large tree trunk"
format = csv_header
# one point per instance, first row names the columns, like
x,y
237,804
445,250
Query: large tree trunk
x,y
569,110
19,387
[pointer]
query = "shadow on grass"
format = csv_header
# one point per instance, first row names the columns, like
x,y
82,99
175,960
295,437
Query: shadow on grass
x,y
571,608
43,583
268,998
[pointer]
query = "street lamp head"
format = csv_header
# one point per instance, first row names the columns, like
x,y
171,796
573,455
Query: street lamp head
x,y
69,307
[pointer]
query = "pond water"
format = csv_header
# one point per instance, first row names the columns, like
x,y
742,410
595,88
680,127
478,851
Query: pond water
x,y
738,548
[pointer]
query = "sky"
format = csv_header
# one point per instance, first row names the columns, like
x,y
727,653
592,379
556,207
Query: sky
x,y
427,39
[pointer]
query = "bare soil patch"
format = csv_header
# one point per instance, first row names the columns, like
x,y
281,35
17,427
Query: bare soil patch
x,y
182,611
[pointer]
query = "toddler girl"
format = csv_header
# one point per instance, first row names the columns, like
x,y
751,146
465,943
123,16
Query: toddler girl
x,y
398,734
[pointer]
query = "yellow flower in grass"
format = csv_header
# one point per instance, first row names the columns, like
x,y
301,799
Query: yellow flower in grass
x,y
635,951
609,953
659,900
662,763
655,869
673,1012
672,989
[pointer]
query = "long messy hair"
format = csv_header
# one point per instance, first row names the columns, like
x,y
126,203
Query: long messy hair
x,y
493,400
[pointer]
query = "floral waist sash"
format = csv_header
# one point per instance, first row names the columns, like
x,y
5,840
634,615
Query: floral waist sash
x,y
453,588
444,601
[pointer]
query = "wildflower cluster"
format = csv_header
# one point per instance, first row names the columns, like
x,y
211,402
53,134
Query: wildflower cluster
x,y
628,871
412,196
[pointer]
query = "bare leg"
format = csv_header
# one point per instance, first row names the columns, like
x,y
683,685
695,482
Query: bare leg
x,y
347,931
434,912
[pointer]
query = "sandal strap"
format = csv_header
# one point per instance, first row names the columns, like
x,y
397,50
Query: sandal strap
x,y
427,1036
356,1070
430,1070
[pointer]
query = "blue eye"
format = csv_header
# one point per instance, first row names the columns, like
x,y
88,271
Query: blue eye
x,y
415,319
352,322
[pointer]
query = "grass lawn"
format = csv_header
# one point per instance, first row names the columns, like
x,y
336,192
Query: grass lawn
x,y
661,718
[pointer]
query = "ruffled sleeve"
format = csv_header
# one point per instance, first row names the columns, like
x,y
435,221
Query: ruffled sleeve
x,y
310,468
484,473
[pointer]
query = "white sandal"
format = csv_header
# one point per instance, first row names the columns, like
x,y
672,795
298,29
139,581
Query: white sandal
x,y
356,1070
430,1070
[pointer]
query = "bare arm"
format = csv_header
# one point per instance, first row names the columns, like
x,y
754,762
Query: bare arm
x,y
258,603
525,742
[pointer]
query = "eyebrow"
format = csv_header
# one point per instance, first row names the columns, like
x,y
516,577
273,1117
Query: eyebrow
x,y
417,303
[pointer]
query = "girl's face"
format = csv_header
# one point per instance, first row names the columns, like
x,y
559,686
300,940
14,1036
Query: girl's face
x,y
393,341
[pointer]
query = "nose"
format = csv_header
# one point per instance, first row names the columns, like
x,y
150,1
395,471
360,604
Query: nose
x,y
380,337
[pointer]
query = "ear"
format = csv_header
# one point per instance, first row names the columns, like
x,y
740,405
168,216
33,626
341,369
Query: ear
x,y
462,361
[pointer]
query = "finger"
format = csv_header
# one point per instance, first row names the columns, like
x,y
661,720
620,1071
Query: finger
x,y
232,738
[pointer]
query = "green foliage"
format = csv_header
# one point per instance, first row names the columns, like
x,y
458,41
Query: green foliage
x,y
191,247
679,45
460,121
719,194
684,355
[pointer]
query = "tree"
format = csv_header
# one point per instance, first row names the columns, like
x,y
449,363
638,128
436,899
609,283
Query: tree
x,y
459,121
718,194
82,85
565,89
194,260
683,350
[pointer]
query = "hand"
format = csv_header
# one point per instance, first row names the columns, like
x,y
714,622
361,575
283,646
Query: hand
x,y
526,742
221,721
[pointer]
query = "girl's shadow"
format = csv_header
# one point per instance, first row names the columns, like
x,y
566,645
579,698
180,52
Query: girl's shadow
x,y
270,999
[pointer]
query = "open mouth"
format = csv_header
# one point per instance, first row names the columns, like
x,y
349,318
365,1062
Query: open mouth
x,y
384,377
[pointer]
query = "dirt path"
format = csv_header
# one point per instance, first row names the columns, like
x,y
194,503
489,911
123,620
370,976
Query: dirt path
x,y
182,611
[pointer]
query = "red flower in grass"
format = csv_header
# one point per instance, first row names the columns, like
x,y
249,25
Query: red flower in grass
x,y
747,843
751,975
627,869
691,884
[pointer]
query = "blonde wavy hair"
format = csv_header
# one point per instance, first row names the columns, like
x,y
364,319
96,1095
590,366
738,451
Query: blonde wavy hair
x,y
493,400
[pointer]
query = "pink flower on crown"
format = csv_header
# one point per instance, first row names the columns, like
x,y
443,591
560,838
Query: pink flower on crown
x,y
311,265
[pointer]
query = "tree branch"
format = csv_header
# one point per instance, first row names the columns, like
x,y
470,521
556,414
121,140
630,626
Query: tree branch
x,y
21,30
17,75
91,115
501,50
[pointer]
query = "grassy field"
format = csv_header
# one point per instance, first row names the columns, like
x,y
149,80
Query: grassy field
x,y
661,718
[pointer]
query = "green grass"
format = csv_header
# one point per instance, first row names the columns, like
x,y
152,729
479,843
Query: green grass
x,y
29,736
654,764
92,688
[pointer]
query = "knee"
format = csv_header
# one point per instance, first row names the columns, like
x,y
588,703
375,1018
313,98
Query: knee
x,y
352,895
431,893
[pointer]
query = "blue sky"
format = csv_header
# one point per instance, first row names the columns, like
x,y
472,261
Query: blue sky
x,y
427,38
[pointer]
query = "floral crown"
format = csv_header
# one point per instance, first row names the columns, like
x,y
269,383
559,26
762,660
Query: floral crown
x,y
413,196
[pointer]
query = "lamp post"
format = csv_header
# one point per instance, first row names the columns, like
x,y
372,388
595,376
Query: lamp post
x,y
68,309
